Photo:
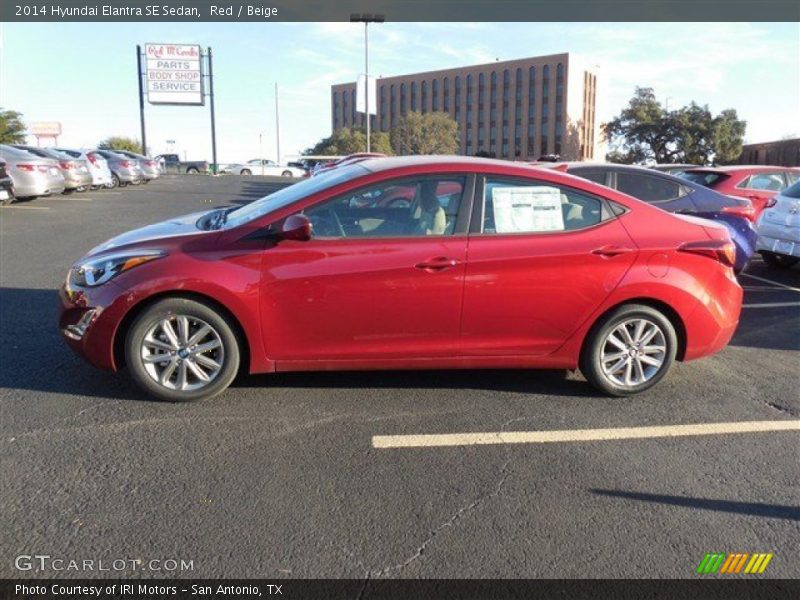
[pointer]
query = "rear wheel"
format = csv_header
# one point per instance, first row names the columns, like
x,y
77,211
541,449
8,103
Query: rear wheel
x,y
245,172
192,170
781,261
286,174
629,350
115,182
181,350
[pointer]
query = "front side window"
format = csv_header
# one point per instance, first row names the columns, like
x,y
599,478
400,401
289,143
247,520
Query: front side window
x,y
647,188
410,207
537,207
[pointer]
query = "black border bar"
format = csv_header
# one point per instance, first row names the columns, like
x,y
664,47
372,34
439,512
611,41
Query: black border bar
x,y
400,10
711,588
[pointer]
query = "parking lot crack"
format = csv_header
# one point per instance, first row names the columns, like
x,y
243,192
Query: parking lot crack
x,y
781,408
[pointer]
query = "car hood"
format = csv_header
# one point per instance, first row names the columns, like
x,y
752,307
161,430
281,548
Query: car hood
x,y
176,227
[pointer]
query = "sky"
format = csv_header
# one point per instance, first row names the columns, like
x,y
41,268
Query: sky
x,y
84,74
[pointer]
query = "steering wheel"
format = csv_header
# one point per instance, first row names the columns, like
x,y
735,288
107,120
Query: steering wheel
x,y
326,223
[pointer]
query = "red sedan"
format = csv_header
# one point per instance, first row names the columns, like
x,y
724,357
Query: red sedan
x,y
490,265
758,183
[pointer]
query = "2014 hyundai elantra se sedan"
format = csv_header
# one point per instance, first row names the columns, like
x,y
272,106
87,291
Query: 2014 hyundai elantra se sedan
x,y
408,263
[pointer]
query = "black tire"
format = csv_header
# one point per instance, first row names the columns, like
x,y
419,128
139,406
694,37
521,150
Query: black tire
x,y
245,172
192,170
190,308
596,339
781,261
115,182
286,174
7,201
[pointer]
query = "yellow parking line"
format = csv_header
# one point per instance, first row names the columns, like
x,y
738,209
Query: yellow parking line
x,y
765,280
579,435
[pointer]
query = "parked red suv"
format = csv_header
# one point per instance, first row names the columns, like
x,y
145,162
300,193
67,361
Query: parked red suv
x,y
757,183
487,264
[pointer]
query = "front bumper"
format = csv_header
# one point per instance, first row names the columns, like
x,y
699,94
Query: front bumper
x,y
89,318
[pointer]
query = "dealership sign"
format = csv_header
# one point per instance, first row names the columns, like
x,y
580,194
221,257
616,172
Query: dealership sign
x,y
174,74
45,128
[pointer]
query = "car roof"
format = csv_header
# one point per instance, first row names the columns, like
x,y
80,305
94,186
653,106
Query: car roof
x,y
376,165
735,168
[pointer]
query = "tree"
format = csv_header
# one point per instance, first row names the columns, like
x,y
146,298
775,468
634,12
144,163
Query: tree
x,y
119,142
646,131
348,141
429,133
12,129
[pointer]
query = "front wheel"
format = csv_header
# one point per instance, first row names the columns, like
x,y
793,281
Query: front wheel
x,y
286,174
782,261
192,171
181,350
629,350
245,172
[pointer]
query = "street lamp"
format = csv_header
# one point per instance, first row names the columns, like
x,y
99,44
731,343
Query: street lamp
x,y
366,18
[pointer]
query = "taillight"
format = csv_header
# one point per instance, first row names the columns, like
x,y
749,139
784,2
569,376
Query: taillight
x,y
125,163
722,250
66,165
771,202
43,168
151,163
92,158
26,167
747,211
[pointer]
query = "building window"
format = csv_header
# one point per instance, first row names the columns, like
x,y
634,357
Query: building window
x,y
435,93
402,99
518,91
413,96
559,108
446,105
457,97
493,91
424,105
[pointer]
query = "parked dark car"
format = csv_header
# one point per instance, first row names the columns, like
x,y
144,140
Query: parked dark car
x,y
172,163
6,185
674,168
678,195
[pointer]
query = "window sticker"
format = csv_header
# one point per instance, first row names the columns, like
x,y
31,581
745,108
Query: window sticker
x,y
527,209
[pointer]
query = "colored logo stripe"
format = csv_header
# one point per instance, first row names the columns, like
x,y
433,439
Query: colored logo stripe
x,y
721,562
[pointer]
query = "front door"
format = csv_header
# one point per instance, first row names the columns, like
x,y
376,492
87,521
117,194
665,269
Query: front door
x,y
381,279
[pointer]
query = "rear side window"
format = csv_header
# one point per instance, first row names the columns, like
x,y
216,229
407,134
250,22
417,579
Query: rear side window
x,y
590,174
537,207
647,187
772,182
793,191
706,178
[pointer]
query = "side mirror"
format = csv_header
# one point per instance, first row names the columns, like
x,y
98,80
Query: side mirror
x,y
297,228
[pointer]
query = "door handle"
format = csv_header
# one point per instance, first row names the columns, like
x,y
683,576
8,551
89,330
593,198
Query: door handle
x,y
440,263
609,251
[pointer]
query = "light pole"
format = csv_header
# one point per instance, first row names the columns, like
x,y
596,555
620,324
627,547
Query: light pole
x,y
366,19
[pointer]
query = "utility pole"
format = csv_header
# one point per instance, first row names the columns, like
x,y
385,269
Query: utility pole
x,y
215,168
366,19
141,97
277,127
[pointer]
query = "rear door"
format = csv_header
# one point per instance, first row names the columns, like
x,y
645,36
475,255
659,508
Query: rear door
x,y
542,258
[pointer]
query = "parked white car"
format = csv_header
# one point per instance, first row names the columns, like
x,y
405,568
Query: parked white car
x,y
779,229
264,166
97,165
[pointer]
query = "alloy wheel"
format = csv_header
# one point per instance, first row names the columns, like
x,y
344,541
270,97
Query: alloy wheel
x,y
182,352
633,352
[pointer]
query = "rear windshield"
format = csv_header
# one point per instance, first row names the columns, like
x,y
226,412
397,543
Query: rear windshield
x,y
792,191
706,178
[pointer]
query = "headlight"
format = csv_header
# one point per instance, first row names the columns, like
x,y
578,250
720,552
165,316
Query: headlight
x,y
98,271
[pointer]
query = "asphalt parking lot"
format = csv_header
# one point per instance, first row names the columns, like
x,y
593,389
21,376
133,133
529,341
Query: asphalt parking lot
x,y
279,476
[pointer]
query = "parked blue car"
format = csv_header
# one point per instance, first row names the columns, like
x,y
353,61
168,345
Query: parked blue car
x,y
678,195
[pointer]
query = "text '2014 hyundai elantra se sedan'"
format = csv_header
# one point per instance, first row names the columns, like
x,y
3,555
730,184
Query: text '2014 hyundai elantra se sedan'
x,y
408,263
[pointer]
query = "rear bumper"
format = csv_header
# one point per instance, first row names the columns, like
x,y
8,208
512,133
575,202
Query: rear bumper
x,y
780,239
711,325
37,184
128,175
75,180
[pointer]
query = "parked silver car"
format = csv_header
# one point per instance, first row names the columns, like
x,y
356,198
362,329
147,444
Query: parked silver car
x,y
124,170
97,165
779,229
75,171
264,166
32,175
149,166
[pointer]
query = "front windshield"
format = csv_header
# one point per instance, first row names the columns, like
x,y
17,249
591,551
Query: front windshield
x,y
290,194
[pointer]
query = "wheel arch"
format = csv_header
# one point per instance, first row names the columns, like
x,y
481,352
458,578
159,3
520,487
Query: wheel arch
x,y
122,330
670,313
